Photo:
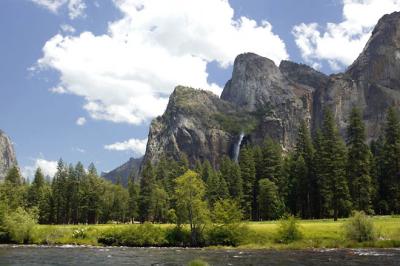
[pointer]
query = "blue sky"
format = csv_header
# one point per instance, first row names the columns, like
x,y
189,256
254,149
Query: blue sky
x,y
82,79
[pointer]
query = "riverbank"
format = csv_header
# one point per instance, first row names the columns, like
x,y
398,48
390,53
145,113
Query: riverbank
x,y
259,235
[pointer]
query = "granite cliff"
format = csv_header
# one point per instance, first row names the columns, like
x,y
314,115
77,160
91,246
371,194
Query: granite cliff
x,y
262,99
7,155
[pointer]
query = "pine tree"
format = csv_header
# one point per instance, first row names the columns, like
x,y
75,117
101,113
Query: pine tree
x,y
248,174
333,169
359,163
146,198
134,192
304,158
59,192
216,188
270,204
230,171
35,193
391,151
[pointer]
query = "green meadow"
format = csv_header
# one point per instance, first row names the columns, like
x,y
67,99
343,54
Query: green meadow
x,y
259,235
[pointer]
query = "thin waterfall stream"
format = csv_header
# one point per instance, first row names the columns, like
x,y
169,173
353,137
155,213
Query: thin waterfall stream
x,y
237,147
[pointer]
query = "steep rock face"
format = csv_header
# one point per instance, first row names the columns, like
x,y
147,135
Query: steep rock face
x,y
192,125
372,82
7,155
263,100
128,169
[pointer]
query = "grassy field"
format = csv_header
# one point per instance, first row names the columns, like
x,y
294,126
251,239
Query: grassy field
x,y
316,234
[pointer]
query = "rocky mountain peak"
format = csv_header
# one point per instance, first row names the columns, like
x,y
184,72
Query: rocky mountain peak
x,y
379,62
7,155
256,80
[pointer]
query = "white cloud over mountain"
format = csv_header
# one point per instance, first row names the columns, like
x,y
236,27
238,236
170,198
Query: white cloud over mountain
x,y
137,146
49,168
339,44
127,74
76,8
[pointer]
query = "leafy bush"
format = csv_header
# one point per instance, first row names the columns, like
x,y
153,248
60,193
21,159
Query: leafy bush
x,y
289,230
227,235
177,236
143,235
227,230
19,224
359,228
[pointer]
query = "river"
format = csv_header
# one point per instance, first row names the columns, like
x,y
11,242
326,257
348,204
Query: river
x,y
72,255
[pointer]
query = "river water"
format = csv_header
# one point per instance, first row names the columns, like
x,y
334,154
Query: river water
x,y
72,255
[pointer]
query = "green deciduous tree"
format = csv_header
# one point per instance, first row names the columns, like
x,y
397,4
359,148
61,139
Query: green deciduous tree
x,y
191,207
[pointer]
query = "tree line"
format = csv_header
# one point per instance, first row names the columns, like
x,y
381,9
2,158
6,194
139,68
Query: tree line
x,y
324,176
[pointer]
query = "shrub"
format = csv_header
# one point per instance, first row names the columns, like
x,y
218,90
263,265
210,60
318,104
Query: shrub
x,y
359,228
19,224
289,230
227,235
177,236
143,235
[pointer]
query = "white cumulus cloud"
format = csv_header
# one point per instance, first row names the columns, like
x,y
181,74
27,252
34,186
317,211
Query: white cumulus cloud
x,y
339,44
49,168
128,74
76,8
81,121
67,28
137,146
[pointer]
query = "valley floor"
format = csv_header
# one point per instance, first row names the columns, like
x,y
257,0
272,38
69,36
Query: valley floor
x,y
316,234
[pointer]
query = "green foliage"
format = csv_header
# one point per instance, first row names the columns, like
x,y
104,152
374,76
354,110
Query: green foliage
x,y
227,228
230,171
144,235
359,163
269,203
288,231
146,199
236,123
227,211
248,174
334,192
19,225
178,236
389,181
191,207
359,228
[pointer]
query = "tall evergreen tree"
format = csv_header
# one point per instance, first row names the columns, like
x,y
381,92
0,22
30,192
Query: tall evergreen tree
x,y
230,171
146,198
60,193
303,173
248,174
333,168
270,204
359,163
134,192
391,178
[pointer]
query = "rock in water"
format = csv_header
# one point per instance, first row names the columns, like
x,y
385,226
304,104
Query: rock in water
x,y
7,155
264,100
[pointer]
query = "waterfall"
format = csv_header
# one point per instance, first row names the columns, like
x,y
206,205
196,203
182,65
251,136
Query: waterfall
x,y
237,148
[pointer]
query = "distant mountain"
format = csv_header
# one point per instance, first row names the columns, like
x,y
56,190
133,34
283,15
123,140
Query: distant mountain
x,y
262,99
124,171
7,155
